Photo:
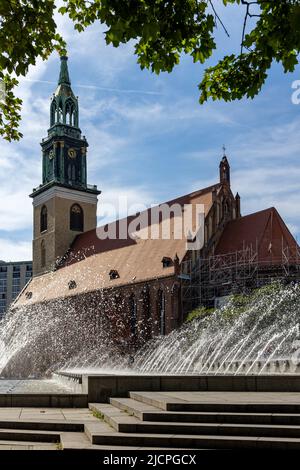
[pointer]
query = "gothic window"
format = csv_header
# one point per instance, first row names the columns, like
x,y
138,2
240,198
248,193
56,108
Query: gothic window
x,y
53,114
69,114
44,219
60,115
175,291
225,208
133,315
76,218
161,306
72,173
43,254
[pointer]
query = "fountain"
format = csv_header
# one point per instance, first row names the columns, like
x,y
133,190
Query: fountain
x,y
255,334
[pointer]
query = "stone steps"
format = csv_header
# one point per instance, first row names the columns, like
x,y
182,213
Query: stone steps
x,y
146,412
161,441
27,445
56,426
198,421
122,422
162,402
29,435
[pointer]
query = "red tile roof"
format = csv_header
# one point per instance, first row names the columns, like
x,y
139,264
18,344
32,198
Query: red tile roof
x,y
91,259
89,243
264,231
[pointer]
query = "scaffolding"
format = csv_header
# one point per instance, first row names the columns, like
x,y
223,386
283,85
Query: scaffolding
x,y
206,279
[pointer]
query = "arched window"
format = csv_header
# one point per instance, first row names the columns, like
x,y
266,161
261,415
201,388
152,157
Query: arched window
x,y
176,303
72,173
60,114
44,219
43,254
161,306
76,218
53,114
69,113
133,315
146,308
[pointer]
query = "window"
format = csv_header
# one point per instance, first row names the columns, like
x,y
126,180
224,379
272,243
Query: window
x,y
133,314
28,273
70,114
3,269
72,173
76,218
44,219
43,254
16,273
53,114
72,284
166,262
113,274
161,305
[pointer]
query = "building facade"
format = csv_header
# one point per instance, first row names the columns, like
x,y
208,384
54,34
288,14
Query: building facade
x,y
64,204
13,278
143,286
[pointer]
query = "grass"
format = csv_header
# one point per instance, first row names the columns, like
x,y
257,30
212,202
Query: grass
x,y
237,304
98,414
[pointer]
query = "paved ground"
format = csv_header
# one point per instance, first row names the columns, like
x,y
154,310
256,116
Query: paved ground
x,y
47,414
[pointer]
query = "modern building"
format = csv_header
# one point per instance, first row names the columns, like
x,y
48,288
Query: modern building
x,y
143,285
13,277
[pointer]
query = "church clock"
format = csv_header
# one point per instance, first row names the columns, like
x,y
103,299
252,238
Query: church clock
x,y
72,153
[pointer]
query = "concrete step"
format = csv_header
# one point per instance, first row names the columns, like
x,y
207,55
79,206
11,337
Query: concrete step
x,y
29,435
146,412
80,441
166,403
42,425
27,445
172,441
122,422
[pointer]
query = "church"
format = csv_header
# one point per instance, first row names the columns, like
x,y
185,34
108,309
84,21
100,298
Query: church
x,y
144,285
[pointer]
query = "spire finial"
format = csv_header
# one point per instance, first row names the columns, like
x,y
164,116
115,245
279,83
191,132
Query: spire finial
x,y
224,150
64,72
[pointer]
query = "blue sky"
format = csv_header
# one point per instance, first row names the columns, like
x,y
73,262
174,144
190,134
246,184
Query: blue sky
x,y
149,138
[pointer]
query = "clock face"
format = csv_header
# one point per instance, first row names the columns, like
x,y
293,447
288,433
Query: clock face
x,y
72,153
51,155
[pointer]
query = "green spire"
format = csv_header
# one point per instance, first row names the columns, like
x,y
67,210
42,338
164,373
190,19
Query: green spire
x,y
64,78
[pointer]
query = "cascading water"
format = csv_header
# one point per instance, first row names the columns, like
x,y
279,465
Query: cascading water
x,y
245,336
247,332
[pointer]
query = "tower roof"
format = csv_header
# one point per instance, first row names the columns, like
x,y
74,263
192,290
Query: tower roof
x,y
224,160
64,83
64,78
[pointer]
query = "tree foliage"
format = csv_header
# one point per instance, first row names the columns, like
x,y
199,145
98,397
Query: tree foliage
x,y
162,30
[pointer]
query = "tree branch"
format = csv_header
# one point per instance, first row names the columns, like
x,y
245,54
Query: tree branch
x,y
218,17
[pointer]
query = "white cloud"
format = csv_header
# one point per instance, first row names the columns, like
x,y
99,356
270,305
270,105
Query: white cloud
x,y
15,251
118,202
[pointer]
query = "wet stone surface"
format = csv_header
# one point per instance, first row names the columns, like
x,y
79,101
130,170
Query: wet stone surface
x,y
33,386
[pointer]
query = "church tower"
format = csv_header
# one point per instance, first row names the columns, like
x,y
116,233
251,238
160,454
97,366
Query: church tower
x,y
224,171
64,205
